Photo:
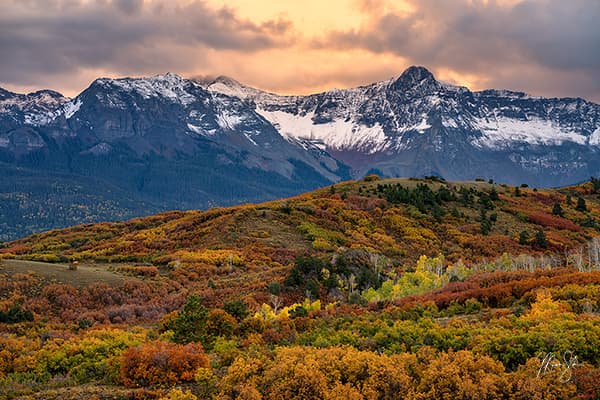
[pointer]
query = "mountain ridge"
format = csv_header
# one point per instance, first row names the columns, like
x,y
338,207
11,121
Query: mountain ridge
x,y
490,128
183,143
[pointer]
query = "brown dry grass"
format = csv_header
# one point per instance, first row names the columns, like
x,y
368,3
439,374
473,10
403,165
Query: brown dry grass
x,y
85,274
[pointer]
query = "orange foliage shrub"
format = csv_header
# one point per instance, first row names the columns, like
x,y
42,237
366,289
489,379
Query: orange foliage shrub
x,y
308,373
463,375
161,363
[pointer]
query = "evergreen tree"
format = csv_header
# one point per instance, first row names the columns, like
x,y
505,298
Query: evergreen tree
x,y
517,191
595,184
569,200
494,194
190,324
523,238
540,239
15,315
454,212
312,289
581,206
486,224
274,288
485,201
557,209
438,212
466,196
236,308
589,222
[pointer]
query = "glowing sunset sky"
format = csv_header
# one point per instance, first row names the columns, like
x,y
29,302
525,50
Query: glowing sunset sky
x,y
544,47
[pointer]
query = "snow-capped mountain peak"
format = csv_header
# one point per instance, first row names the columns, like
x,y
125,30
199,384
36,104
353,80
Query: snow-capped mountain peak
x,y
169,85
231,87
415,114
32,108
41,99
408,125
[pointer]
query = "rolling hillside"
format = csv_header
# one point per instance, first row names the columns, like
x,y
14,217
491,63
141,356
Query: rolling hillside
x,y
364,289
471,222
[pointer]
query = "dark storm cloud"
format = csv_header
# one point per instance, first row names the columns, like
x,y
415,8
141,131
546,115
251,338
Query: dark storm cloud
x,y
542,39
55,37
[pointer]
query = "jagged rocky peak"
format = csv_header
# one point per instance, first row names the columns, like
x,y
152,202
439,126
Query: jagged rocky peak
x,y
47,97
416,79
41,96
32,108
416,74
224,84
168,76
46,93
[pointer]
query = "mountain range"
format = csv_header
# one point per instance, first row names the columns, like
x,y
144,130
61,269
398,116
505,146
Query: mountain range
x,y
134,146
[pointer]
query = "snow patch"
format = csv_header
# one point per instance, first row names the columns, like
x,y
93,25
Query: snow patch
x,y
197,129
196,115
38,108
41,118
71,108
250,139
449,123
4,141
422,126
232,88
594,139
502,132
338,134
227,120
36,119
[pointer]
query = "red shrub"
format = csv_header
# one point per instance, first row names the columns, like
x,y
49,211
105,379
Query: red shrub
x,y
500,288
161,363
548,220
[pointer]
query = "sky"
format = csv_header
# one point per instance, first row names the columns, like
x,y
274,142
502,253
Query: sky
x,y
542,47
